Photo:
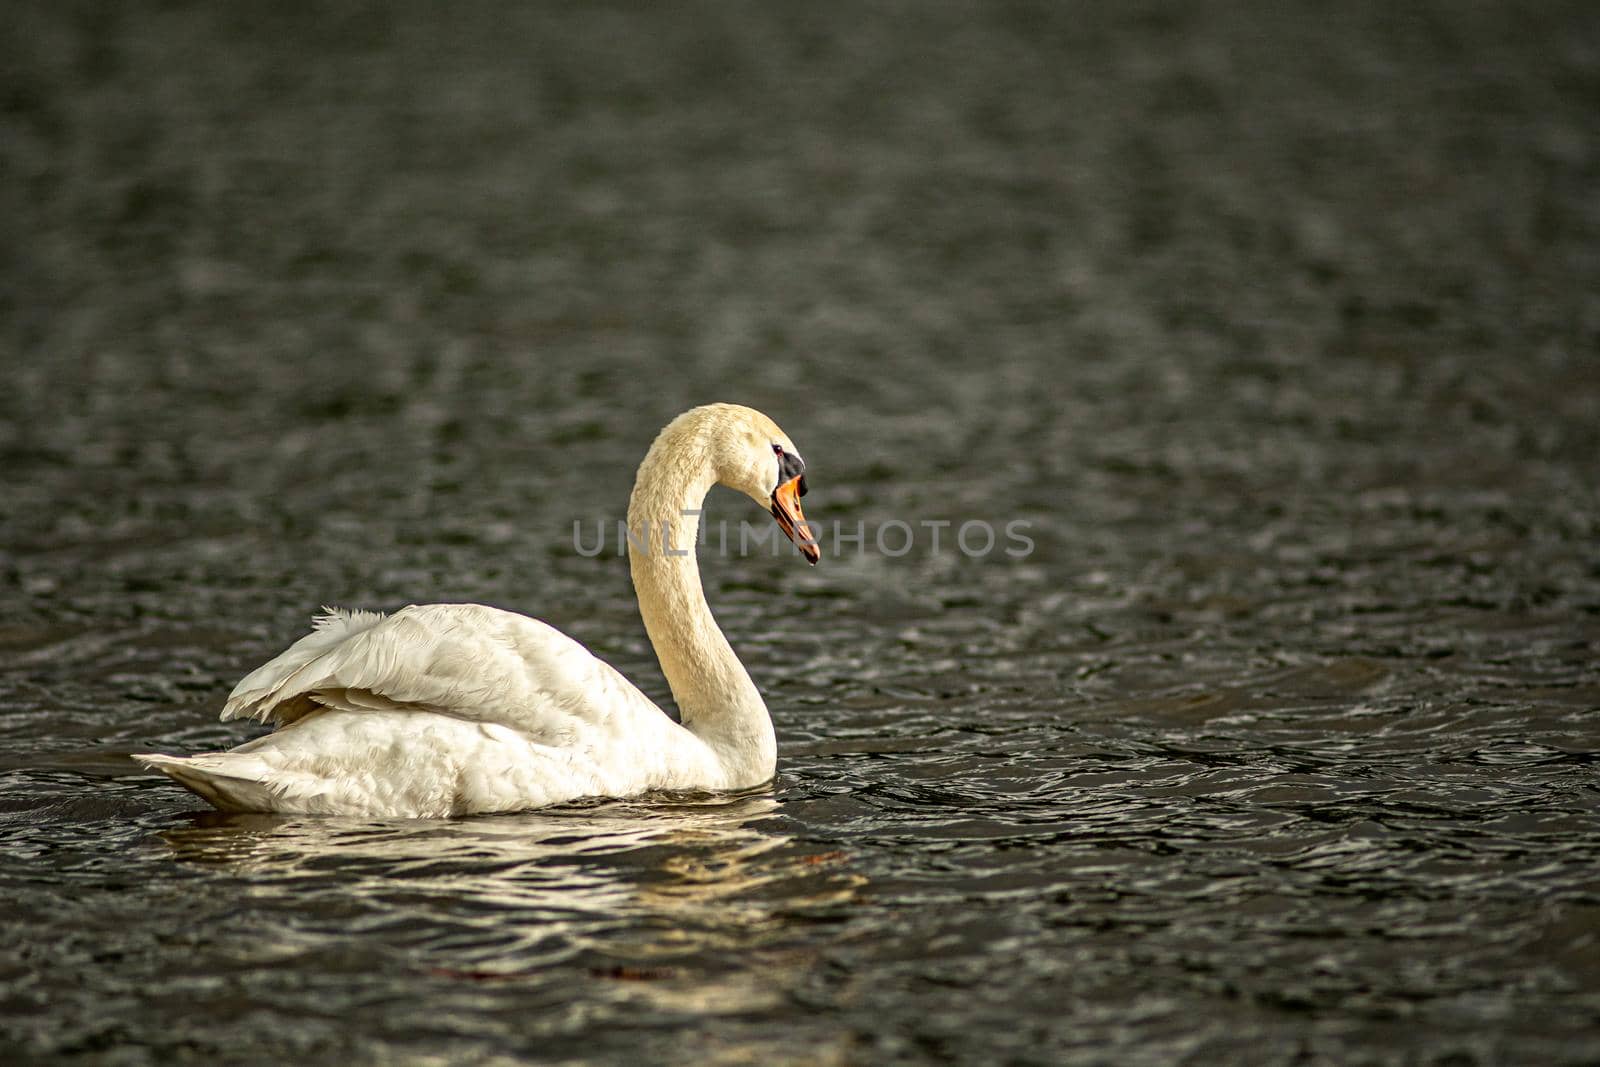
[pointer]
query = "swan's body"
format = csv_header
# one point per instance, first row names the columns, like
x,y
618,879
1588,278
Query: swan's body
x,y
458,709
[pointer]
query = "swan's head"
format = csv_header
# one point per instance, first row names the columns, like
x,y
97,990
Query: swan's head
x,y
758,459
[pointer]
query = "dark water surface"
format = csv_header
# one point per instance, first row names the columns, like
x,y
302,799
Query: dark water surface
x,y
1283,330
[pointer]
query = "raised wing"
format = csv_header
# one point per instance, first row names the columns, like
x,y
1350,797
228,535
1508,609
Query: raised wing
x,y
464,660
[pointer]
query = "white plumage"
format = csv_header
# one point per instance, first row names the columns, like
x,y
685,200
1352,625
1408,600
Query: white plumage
x,y
456,709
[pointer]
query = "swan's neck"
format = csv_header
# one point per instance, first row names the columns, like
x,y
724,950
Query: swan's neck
x,y
716,699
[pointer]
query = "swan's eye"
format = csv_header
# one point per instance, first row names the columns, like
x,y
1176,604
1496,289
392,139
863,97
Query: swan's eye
x,y
790,467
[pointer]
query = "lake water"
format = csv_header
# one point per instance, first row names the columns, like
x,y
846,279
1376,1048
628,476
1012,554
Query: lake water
x,y
1278,328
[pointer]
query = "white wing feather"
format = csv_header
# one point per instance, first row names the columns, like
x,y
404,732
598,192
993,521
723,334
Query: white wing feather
x,y
464,660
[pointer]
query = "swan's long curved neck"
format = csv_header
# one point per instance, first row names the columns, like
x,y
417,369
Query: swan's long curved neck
x,y
716,698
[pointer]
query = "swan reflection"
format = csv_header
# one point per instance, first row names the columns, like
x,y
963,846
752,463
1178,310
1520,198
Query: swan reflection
x,y
625,888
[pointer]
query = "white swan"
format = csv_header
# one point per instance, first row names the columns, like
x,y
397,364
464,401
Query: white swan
x,y
460,709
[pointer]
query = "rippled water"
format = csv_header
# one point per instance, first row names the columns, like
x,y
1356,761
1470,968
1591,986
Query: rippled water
x,y
1279,328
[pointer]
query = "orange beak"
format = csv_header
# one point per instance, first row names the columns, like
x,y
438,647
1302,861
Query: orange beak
x,y
792,521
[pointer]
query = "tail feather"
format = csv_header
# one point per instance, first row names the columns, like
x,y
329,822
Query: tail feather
x,y
228,782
